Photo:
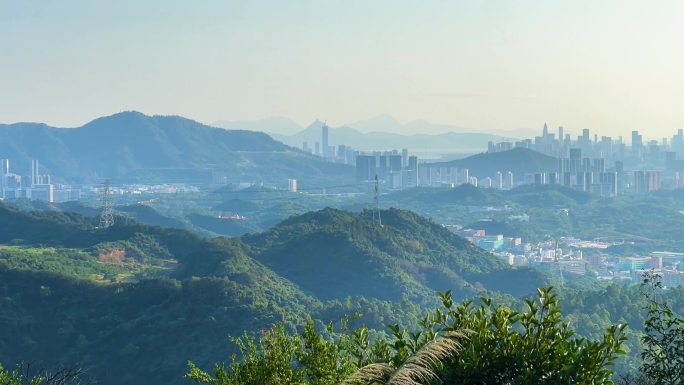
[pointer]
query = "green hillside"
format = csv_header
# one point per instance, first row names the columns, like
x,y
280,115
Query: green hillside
x,y
408,254
144,299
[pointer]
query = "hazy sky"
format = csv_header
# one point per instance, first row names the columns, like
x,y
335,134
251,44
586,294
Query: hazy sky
x,y
609,65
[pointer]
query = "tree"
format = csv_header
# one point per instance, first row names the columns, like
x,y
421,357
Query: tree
x,y
27,374
454,344
663,354
421,367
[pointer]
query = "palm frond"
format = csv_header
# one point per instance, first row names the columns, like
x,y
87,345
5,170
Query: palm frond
x,y
421,367
370,374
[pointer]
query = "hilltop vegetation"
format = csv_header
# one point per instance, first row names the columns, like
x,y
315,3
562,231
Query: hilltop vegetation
x,y
78,293
350,253
73,293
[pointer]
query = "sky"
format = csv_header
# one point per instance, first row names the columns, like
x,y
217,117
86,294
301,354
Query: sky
x,y
609,65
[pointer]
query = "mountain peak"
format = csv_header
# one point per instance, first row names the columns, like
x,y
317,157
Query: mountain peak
x,y
316,124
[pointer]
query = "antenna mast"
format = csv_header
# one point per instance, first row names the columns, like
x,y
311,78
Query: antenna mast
x,y
107,211
377,201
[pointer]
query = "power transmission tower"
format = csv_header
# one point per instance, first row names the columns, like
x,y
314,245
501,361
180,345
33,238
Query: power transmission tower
x,y
107,211
376,209
560,267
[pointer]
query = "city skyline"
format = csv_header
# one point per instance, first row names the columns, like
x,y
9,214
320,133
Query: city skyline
x,y
612,67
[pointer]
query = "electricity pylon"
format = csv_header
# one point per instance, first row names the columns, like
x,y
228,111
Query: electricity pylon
x,y
107,211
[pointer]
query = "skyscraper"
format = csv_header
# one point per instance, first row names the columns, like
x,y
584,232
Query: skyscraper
x,y
4,170
394,162
365,167
637,143
324,141
413,162
292,185
575,159
35,171
646,181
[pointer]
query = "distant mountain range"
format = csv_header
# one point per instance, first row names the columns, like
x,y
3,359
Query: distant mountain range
x,y
131,146
451,142
518,160
380,124
381,133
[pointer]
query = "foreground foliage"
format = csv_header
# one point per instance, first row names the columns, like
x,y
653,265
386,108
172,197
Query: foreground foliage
x,y
663,354
455,344
26,374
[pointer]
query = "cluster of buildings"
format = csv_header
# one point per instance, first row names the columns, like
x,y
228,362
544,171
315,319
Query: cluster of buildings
x,y
631,268
603,166
606,166
433,176
612,149
493,243
576,256
36,186
397,170
339,154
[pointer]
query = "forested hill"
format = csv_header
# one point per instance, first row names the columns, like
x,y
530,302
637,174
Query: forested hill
x,y
139,300
518,160
330,252
131,146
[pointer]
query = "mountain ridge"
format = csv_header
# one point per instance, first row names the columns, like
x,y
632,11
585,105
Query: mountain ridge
x,y
518,160
131,146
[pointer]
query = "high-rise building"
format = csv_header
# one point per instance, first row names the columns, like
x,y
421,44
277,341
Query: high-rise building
x,y
540,178
575,159
404,157
324,141
598,165
413,162
292,185
465,176
637,144
43,192
4,171
553,178
609,184
585,136
395,163
35,171
365,167
509,183
498,180
646,181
